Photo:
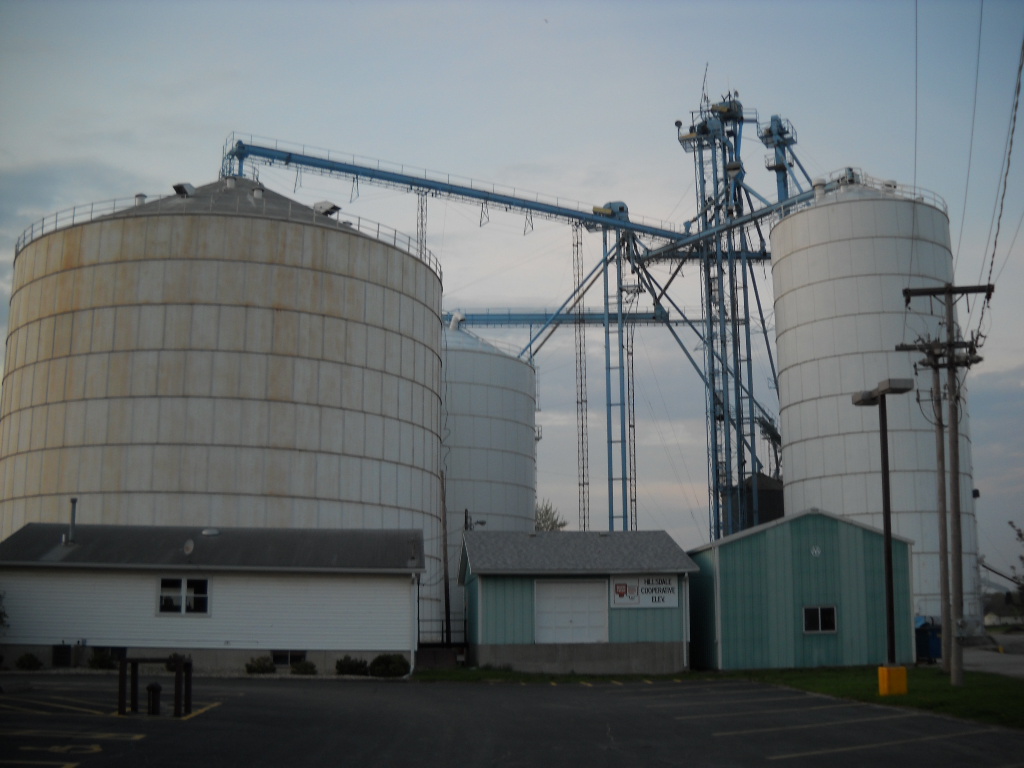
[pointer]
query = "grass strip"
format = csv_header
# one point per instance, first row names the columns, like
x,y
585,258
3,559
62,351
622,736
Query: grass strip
x,y
984,697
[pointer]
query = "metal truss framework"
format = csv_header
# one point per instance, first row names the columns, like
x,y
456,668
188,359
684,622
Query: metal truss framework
x,y
728,241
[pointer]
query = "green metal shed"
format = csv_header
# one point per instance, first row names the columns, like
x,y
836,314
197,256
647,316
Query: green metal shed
x,y
802,591
582,601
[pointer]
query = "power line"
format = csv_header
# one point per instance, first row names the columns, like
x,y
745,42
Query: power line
x,y
1006,176
970,144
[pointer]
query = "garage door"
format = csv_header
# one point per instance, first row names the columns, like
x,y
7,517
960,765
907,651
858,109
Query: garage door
x,y
571,612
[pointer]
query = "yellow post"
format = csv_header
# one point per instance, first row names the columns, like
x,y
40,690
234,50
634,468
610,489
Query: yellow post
x,y
892,681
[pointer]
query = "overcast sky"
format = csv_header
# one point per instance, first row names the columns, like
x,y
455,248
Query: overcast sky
x,y
574,99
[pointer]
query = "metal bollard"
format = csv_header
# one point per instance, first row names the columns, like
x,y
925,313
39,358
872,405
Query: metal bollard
x,y
153,698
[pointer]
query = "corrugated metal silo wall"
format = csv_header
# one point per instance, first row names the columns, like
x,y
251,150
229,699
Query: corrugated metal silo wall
x,y
839,268
224,359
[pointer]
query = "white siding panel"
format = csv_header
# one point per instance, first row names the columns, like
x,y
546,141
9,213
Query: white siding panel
x,y
308,612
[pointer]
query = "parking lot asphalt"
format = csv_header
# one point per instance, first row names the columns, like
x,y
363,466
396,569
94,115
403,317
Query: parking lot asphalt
x,y
71,721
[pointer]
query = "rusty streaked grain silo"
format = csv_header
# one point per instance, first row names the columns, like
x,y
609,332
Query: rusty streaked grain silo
x,y
839,267
226,357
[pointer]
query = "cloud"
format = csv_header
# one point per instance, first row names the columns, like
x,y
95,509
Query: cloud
x,y
995,402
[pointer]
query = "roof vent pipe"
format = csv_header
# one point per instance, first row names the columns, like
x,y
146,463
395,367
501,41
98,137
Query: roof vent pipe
x,y
258,193
71,528
140,199
230,182
456,321
819,188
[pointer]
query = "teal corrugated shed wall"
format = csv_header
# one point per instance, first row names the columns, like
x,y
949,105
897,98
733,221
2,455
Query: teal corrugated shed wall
x,y
702,613
767,578
472,594
500,611
651,625
506,610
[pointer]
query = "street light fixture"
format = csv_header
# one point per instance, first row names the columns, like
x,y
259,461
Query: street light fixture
x,y
876,396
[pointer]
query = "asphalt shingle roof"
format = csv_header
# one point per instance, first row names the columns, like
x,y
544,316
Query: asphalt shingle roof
x,y
572,553
193,547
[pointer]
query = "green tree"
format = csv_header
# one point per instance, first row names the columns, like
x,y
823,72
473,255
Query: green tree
x,y
548,518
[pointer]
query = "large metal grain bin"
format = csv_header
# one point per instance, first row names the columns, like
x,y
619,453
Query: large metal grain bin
x,y
225,357
489,454
839,267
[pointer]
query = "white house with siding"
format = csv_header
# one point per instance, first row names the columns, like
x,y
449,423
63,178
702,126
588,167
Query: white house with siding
x,y
222,595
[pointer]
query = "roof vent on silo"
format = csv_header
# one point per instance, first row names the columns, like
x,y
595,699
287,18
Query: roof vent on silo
x,y
140,199
326,208
257,193
184,189
230,182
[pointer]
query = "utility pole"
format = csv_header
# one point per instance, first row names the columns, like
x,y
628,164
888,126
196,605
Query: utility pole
x,y
955,354
940,461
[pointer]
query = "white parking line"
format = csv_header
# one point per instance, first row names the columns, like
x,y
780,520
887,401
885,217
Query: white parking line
x,y
879,744
733,713
803,726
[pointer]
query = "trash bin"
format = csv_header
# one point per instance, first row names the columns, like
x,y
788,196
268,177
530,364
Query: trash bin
x,y
153,698
928,640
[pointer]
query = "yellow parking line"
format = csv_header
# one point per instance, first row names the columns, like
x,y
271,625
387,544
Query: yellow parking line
x,y
55,705
201,710
92,735
880,744
10,708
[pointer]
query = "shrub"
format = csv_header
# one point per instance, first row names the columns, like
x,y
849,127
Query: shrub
x,y
28,662
303,668
389,665
349,666
102,658
261,665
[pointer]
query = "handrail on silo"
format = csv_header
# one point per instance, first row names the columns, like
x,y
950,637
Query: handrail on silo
x,y
902,191
85,213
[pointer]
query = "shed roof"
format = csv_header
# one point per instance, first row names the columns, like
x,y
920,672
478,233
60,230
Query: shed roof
x,y
757,529
570,553
40,545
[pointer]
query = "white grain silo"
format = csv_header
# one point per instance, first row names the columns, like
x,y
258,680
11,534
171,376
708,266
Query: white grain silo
x,y
839,267
489,454
226,357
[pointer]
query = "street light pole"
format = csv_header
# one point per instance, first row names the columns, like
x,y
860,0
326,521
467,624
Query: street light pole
x,y
890,601
877,397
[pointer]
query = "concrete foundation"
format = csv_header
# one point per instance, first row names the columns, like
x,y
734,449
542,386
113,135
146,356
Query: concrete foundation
x,y
585,658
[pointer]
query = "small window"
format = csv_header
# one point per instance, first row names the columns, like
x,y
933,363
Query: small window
x,y
287,658
820,619
179,596
195,596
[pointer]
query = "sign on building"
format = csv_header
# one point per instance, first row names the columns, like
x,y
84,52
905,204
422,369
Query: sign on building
x,y
644,591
